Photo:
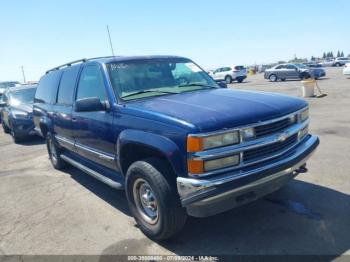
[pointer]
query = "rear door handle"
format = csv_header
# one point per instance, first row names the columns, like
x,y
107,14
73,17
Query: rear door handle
x,y
74,119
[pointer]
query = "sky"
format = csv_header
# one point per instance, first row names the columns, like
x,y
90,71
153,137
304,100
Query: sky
x,y
39,35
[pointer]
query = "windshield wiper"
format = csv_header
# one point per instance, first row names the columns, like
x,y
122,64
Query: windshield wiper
x,y
194,84
149,91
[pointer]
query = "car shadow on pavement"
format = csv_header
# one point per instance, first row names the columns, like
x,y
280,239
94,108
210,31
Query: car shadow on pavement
x,y
299,219
115,198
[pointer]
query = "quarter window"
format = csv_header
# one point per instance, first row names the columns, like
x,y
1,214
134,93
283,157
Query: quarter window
x,y
67,85
91,83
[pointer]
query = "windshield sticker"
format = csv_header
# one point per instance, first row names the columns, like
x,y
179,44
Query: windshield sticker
x,y
193,67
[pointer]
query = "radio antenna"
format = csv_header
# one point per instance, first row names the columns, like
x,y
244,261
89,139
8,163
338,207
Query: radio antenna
x,y
110,40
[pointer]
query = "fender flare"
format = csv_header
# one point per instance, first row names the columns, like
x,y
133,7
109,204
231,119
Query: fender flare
x,y
163,145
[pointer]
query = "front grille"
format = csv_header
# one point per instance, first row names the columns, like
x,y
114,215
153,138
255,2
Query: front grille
x,y
272,128
269,150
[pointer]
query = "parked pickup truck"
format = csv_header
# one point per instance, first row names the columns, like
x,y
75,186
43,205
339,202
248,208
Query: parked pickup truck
x,y
162,129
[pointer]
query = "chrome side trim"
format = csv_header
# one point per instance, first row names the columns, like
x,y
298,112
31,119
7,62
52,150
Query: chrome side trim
x,y
93,173
188,187
62,139
101,155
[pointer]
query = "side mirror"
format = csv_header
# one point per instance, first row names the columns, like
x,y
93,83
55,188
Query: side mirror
x,y
90,104
222,84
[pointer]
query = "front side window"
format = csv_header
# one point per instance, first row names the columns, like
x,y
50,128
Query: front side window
x,y
91,83
154,77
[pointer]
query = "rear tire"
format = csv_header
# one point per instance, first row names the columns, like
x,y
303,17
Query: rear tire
x,y
54,152
153,199
240,80
228,79
273,78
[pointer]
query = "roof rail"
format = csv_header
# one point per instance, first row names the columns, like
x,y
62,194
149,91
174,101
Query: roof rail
x,y
77,61
67,64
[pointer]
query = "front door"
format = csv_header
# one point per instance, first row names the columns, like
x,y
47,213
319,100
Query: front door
x,y
93,131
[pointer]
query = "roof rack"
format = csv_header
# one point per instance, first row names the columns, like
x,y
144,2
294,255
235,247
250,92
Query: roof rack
x,y
77,61
67,64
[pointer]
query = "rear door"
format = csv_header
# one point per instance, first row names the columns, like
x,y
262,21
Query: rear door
x,y
62,112
93,131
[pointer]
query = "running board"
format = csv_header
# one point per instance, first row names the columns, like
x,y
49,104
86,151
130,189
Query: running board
x,y
93,173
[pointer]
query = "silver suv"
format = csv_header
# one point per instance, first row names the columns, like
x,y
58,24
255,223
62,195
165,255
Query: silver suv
x,y
340,61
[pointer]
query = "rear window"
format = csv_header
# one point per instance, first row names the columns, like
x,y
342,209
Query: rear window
x,y
239,67
67,85
47,88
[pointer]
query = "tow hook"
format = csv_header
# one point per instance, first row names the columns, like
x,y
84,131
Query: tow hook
x,y
302,169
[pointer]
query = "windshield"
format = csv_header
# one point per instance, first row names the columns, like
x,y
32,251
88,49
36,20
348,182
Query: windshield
x,y
24,96
154,77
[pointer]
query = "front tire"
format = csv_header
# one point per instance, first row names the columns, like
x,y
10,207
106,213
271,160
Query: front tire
x,y
153,199
54,152
273,78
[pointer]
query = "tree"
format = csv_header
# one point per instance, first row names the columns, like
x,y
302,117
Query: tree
x,y
342,54
331,55
338,54
313,58
324,55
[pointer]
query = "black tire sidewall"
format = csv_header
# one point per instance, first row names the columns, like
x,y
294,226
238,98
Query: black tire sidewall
x,y
168,200
60,163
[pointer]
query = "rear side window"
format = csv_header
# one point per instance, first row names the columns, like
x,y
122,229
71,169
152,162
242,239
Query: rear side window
x,y
67,86
47,88
91,83
239,68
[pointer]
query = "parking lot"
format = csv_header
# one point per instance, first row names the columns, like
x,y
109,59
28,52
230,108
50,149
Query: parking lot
x,y
44,211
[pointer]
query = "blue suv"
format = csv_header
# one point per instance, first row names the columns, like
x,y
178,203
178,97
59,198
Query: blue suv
x,y
160,128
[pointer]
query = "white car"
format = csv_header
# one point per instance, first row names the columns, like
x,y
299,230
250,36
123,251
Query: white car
x,y
346,70
229,74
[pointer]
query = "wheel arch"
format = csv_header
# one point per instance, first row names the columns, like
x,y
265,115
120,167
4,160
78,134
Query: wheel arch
x,y
135,145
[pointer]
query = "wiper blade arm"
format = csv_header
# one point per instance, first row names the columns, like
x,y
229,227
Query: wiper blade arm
x,y
186,85
149,91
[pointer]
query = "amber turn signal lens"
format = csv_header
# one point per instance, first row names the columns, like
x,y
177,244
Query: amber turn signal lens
x,y
194,144
195,166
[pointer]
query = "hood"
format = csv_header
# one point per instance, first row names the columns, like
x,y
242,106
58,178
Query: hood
x,y
28,108
217,109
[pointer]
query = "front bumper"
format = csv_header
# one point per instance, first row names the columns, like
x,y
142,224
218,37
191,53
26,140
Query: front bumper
x,y
209,196
24,127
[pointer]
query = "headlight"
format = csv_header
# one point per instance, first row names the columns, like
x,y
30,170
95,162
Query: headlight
x,y
248,133
197,144
199,166
304,115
